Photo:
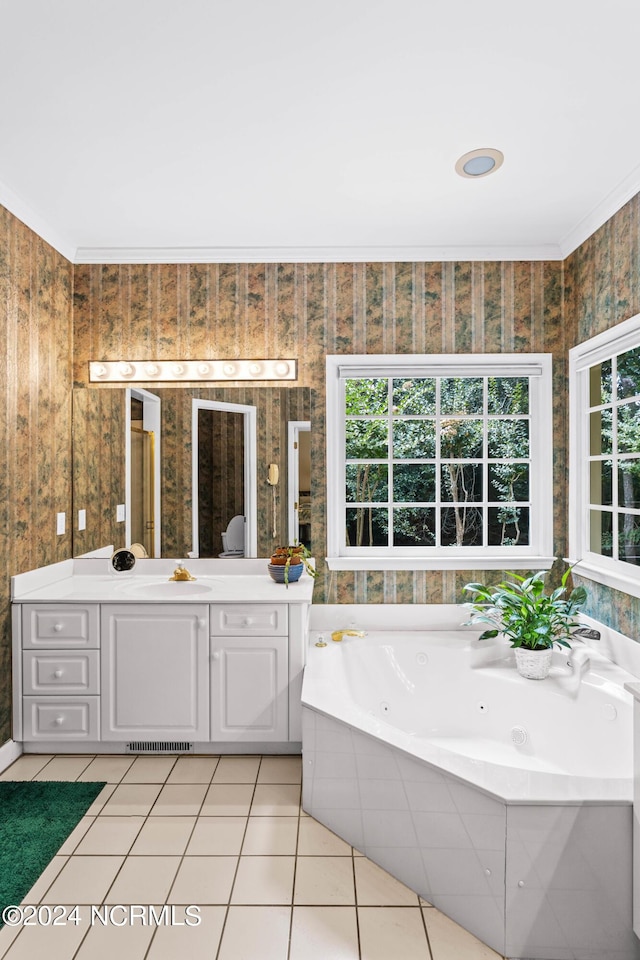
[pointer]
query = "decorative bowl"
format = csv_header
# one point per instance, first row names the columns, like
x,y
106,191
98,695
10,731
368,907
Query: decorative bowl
x,y
277,572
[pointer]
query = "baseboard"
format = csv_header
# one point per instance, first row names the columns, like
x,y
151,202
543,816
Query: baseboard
x,y
9,752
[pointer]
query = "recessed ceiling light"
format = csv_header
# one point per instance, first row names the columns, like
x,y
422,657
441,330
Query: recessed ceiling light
x,y
479,163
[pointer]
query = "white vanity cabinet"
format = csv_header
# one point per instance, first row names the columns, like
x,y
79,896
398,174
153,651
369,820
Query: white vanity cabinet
x,y
99,665
155,678
249,672
60,671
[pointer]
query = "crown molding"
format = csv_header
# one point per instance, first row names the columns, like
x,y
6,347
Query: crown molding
x,y
27,215
292,254
603,211
587,226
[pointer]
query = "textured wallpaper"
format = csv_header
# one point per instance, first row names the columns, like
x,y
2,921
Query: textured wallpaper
x,y
35,417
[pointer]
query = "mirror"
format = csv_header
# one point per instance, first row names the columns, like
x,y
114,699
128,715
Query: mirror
x,y
100,424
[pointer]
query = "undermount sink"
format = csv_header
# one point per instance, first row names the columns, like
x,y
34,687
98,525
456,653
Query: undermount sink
x,y
172,588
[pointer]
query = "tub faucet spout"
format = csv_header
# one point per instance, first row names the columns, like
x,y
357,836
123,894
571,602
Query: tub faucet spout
x,y
580,661
586,633
337,635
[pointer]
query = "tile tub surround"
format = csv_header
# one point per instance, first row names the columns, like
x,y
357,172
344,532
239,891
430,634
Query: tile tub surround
x,y
271,882
544,879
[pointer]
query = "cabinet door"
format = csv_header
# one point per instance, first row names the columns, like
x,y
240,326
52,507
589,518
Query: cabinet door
x,y
249,689
155,678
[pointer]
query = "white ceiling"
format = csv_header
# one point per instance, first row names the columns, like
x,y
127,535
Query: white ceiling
x,y
235,130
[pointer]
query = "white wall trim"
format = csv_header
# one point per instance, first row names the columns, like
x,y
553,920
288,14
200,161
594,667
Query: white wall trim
x,y
538,366
553,250
605,570
152,422
294,428
9,753
456,562
329,254
250,421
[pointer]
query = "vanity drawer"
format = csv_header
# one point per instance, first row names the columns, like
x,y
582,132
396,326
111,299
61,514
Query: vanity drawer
x,y
56,625
60,673
61,718
249,620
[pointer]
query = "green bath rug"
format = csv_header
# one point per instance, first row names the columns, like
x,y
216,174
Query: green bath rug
x,y
36,817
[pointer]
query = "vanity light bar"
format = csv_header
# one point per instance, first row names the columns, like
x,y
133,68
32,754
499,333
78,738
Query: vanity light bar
x,y
130,371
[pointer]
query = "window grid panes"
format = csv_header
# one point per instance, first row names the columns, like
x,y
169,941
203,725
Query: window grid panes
x,y
613,423
437,461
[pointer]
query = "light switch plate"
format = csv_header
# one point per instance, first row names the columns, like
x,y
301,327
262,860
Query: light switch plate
x,y
61,523
120,514
82,519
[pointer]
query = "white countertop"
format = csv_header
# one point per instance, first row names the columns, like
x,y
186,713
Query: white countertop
x,y
93,580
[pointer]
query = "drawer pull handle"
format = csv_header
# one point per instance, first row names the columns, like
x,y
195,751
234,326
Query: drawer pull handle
x,y
58,673
248,621
202,622
215,655
59,721
57,627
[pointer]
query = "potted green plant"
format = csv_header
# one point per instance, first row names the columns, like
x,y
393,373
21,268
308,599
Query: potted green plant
x,y
532,620
287,563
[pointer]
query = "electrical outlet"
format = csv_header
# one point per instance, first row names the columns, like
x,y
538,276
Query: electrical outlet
x,y
120,513
61,523
82,519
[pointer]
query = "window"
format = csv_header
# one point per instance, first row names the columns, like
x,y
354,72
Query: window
x,y
439,461
605,456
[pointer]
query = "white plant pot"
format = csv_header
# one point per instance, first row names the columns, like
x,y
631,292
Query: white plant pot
x,y
533,664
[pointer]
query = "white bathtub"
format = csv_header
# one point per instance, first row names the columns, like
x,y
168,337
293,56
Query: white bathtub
x,y
505,802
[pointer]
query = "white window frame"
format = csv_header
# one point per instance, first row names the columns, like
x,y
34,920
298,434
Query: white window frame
x,y
606,570
538,554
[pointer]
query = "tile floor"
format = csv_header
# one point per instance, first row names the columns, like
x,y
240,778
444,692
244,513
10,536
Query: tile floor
x,y
225,834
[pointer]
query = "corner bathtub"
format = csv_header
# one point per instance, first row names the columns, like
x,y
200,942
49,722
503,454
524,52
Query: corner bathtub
x,y
507,803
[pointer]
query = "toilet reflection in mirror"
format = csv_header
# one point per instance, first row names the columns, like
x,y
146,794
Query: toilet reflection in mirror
x,y
233,539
